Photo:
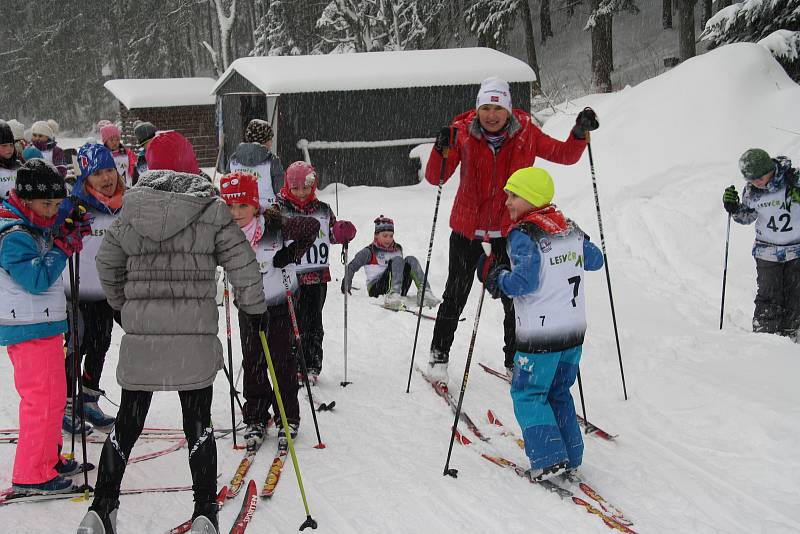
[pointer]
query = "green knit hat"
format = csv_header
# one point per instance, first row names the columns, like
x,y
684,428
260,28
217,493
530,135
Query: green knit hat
x,y
755,163
533,184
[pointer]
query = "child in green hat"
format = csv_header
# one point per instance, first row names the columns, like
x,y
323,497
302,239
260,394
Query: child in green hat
x,y
548,254
771,200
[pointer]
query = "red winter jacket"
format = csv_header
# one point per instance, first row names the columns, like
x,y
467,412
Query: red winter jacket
x,y
480,200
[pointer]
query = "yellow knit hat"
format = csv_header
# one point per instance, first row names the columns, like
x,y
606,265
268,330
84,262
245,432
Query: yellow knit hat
x,y
533,184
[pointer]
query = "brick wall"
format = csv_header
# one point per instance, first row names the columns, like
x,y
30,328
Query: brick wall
x,y
196,123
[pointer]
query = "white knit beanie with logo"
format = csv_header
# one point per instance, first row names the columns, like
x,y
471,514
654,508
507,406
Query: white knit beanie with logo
x,y
494,91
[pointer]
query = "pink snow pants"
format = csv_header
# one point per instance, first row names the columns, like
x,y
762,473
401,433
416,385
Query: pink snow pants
x,y
41,382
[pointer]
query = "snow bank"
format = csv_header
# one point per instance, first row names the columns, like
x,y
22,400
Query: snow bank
x,y
377,70
162,92
707,110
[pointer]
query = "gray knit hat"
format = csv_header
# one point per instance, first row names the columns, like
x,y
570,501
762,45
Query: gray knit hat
x,y
144,131
755,163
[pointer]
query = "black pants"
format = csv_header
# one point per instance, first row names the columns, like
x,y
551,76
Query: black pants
x,y
95,324
309,305
133,408
384,283
778,297
258,393
463,258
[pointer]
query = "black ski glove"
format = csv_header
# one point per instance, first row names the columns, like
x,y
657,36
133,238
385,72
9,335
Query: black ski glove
x,y
285,256
585,122
730,199
445,139
491,284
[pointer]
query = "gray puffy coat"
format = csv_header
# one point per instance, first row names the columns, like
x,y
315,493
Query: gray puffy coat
x,y
157,264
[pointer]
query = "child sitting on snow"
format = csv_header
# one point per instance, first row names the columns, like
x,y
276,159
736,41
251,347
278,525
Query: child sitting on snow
x,y
548,255
298,197
388,272
266,235
771,199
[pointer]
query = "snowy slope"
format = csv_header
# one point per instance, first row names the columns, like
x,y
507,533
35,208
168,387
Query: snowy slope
x,y
707,435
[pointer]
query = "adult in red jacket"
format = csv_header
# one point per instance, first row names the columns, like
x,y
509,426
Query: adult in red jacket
x,y
490,142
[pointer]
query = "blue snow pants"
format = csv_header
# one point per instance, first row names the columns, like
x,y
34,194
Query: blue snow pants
x,y
544,408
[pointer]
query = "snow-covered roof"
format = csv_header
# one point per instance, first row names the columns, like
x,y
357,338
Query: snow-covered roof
x,y
377,70
162,92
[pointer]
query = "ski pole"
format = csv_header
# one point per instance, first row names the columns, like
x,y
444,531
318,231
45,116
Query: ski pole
x,y
445,154
725,272
300,355
228,376
345,383
583,404
76,348
447,469
309,522
605,262
227,299
73,354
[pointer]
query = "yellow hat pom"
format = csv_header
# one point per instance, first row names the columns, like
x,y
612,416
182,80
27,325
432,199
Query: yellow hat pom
x,y
533,184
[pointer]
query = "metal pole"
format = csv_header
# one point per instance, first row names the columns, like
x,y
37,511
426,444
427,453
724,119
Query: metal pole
x,y
725,272
445,154
447,469
605,262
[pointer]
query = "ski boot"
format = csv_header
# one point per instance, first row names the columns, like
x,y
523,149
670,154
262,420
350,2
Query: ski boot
x,y
58,484
93,523
538,475
203,525
92,412
254,435
393,301
66,423
429,300
294,428
437,366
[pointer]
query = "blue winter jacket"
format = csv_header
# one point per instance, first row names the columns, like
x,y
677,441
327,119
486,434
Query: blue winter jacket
x,y
32,269
526,258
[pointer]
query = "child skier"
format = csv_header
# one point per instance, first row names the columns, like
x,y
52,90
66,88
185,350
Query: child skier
x,y
298,197
388,272
548,255
9,160
44,138
266,235
144,132
98,190
771,199
33,319
254,156
157,264
124,158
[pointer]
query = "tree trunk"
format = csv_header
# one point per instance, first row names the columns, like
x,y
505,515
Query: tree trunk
x,y
544,18
666,14
707,12
723,3
602,52
530,45
686,35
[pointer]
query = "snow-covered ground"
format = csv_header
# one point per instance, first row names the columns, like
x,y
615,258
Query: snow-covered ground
x,y
706,437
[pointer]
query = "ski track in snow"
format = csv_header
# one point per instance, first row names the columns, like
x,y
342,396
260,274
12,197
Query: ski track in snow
x,y
707,435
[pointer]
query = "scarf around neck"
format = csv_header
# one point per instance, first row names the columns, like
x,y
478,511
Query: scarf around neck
x,y
548,218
